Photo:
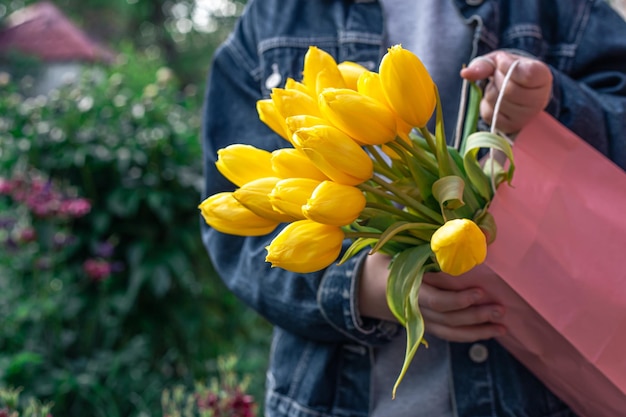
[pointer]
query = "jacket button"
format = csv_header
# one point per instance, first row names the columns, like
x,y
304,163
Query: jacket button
x,y
478,353
474,2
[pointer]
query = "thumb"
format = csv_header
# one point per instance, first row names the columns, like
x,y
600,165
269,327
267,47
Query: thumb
x,y
479,68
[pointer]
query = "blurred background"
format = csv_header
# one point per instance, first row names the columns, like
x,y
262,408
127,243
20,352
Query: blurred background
x,y
108,304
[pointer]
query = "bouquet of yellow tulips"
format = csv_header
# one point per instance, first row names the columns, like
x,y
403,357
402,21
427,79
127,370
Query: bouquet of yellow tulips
x,y
359,163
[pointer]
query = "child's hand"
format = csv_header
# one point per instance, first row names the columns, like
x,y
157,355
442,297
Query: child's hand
x,y
526,94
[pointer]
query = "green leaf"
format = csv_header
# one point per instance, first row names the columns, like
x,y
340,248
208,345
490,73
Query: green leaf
x,y
405,268
443,157
448,191
356,247
405,279
421,230
481,181
472,114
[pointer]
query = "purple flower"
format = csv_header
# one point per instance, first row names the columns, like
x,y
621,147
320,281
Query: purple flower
x,y
104,249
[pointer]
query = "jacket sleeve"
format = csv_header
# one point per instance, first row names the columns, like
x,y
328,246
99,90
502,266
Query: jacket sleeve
x,y
589,97
318,306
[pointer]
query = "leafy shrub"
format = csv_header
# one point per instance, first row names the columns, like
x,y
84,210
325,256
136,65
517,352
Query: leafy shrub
x,y
225,396
104,308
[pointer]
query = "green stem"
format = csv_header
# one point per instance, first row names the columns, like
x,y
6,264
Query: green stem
x,y
386,208
417,153
429,139
380,165
406,200
401,239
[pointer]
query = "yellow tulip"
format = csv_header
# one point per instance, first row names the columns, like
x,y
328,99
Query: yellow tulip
x,y
328,79
255,195
293,163
268,113
350,72
335,204
315,62
459,245
305,246
335,154
304,120
290,194
227,215
294,102
408,86
292,84
243,163
369,84
368,121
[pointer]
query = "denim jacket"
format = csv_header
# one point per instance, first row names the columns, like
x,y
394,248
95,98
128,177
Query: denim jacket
x,y
321,354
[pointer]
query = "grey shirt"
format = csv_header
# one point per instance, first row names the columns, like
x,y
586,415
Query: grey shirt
x,y
418,25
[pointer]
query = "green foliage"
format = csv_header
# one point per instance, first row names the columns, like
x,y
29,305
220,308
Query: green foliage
x,y
10,405
105,305
184,33
225,395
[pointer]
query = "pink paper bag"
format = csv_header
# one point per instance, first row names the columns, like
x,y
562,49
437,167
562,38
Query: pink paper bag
x,y
561,255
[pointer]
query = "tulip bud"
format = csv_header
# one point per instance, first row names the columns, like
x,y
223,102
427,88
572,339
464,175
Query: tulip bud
x,y
255,195
459,245
227,215
244,163
408,86
327,78
268,113
305,246
369,84
368,121
315,61
289,195
292,84
335,154
334,204
294,102
304,120
293,163
350,71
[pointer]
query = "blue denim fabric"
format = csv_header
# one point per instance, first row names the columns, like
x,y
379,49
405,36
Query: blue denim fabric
x,y
322,349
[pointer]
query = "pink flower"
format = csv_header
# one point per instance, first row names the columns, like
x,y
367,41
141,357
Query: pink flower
x,y
75,207
97,269
6,186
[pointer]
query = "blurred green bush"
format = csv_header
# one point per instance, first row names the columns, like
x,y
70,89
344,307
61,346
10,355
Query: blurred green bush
x,y
107,296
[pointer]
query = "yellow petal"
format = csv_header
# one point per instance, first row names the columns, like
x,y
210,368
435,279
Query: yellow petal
x,y
294,102
293,163
255,196
334,204
241,164
350,71
368,121
335,154
305,246
268,113
227,215
369,84
459,245
329,79
290,194
304,120
408,86
292,84
315,61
